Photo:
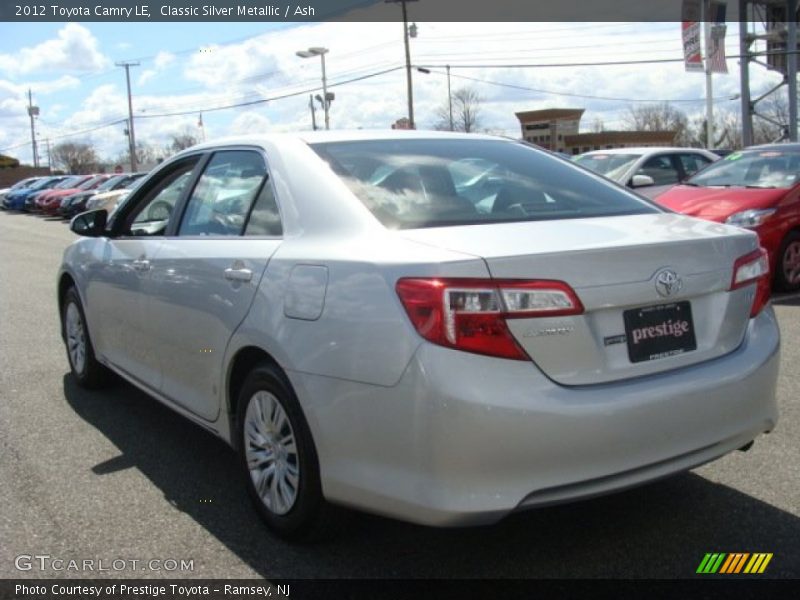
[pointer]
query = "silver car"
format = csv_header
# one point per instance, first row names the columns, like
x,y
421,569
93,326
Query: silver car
x,y
437,327
651,170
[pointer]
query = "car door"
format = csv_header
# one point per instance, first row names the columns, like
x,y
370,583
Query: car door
x,y
206,274
118,288
691,163
661,169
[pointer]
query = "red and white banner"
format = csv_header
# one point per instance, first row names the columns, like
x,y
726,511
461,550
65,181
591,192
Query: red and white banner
x,y
692,56
716,45
692,35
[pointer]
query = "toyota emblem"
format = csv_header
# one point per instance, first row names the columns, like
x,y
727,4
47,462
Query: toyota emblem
x,y
668,283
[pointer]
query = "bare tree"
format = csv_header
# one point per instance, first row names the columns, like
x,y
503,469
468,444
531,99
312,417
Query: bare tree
x,y
659,117
598,125
75,157
466,111
775,121
183,140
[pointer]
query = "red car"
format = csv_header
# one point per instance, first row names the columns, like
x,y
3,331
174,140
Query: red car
x,y
759,189
50,202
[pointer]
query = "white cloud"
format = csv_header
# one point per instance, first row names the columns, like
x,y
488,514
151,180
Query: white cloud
x,y
266,66
74,49
163,59
249,122
160,63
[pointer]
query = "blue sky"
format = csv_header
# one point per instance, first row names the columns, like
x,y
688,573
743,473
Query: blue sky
x,y
186,67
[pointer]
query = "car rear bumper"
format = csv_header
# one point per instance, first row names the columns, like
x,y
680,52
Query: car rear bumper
x,y
466,439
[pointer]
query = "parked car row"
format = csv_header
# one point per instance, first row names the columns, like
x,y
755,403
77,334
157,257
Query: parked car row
x,y
67,195
757,188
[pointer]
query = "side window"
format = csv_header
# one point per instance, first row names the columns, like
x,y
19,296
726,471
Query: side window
x,y
661,169
152,213
221,200
265,219
692,163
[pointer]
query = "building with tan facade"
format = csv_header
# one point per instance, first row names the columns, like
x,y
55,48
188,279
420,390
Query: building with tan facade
x,y
558,129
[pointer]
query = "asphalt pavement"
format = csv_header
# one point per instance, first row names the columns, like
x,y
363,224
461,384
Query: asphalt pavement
x,y
114,475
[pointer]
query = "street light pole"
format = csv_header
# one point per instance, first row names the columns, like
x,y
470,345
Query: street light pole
x,y
33,111
450,99
326,104
131,136
326,100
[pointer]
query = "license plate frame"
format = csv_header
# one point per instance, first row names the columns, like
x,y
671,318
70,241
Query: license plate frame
x,y
659,331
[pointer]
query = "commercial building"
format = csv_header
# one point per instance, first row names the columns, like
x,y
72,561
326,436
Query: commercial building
x,y
558,129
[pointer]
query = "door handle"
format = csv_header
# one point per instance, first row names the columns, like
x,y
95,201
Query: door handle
x,y
241,274
141,264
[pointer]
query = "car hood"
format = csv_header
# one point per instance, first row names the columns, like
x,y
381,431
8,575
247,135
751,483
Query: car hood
x,y
717,203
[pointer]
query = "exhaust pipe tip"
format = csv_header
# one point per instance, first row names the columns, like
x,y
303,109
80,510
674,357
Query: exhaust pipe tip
x,y
747,446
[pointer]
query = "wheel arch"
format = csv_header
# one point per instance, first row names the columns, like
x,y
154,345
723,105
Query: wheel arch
x,y
65,281
241,364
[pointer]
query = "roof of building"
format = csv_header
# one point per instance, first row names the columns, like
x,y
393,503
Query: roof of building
x,y
611,137
653,150
549,114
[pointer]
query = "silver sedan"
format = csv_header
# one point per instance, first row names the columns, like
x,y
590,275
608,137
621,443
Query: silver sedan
x,y
435,327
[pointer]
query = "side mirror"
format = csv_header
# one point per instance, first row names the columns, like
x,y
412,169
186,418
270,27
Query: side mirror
x,y
90,224
642,181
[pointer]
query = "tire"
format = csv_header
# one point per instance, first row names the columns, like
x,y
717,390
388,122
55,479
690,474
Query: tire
x,y
284,484
85,369
787,267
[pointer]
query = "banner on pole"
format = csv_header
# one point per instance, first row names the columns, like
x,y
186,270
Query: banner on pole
x,y
716,47
690,29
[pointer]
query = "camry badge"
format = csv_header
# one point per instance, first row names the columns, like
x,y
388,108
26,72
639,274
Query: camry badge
x,y
668,283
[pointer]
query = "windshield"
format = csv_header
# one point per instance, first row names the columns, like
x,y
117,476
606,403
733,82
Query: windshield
x,y
412,183
69,182
91,182
610,165
752,168
24,184
45,183
111,182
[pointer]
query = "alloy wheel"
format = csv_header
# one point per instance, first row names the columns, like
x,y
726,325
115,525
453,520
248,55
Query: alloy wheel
x,y
791,263
76,338
271,453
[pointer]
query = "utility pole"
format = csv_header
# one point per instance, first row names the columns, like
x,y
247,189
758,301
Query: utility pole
x,y
704,12
409,83
33,111
131,136
49,156
450,99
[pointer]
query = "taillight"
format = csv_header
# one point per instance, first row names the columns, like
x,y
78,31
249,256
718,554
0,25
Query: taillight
x,y
753,268
470,314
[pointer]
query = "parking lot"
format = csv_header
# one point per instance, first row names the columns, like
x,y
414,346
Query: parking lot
x,y
115,475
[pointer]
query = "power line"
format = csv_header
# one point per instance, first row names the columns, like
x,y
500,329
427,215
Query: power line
x,y
70,134
272,98
551,92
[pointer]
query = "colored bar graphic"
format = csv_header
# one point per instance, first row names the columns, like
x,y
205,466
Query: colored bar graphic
x,y
734,562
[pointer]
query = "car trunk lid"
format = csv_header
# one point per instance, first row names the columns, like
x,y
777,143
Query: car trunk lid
x,y
616,265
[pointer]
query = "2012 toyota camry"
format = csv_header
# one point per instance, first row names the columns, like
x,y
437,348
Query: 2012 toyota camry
x,y
436,327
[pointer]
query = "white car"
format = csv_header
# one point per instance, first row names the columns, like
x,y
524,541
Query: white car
x,y
652,171
370,327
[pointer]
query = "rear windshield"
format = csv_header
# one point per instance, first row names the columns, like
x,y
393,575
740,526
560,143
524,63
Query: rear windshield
x,y
610,165
431,183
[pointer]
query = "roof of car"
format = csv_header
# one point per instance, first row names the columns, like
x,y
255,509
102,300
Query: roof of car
x,y
647,149
779,146
312,137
